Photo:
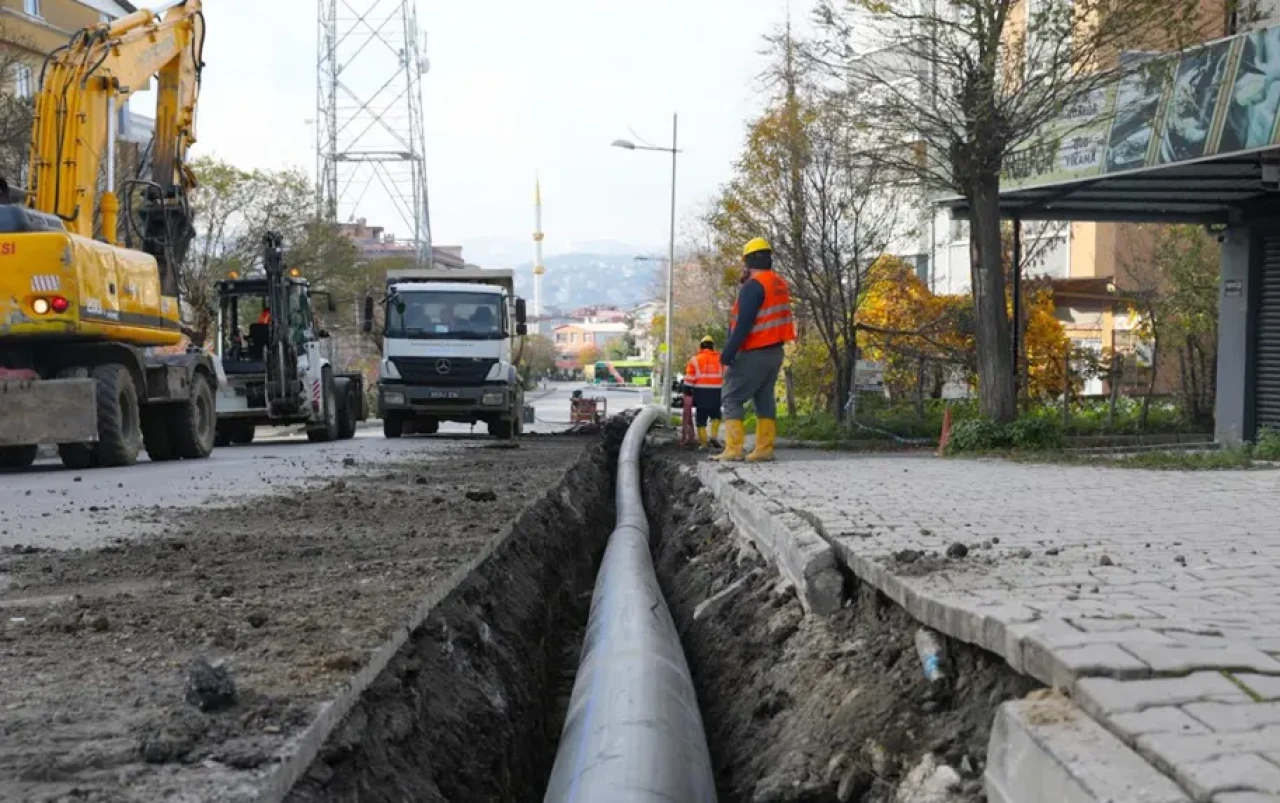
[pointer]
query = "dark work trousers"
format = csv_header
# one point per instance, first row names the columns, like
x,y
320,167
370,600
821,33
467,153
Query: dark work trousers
x,y
707,402
752,377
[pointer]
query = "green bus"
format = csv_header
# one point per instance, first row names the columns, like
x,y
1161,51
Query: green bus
x,y
635,373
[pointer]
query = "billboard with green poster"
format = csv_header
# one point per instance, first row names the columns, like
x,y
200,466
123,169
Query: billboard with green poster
x,y
1214,100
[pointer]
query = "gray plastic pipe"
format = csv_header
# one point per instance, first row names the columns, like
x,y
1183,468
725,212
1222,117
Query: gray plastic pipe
x,y
633,733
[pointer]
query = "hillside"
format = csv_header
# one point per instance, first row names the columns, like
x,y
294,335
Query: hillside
x,y
579,280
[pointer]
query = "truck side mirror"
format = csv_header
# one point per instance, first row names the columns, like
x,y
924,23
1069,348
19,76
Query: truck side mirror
x,y
366,322
522,329
521,315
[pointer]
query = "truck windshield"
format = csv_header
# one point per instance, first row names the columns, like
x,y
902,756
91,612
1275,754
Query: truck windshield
x,y
445,316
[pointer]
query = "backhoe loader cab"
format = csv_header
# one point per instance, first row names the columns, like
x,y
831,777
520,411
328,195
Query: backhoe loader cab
x,y
278,361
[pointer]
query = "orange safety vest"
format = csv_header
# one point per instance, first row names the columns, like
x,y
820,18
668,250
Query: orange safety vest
x,y
265,317
704,371
774,323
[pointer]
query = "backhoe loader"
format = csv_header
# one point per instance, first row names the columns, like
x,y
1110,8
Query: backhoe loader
x,y
81,315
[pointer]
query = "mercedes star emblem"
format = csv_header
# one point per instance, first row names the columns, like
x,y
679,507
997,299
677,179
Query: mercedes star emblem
x,y
443,366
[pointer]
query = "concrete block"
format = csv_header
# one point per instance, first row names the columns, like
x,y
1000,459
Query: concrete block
x,y
1048,750
1171,751
1226,718
1234,773
1102,697
1264,686
1156,720
1189,659
787,540
1062,666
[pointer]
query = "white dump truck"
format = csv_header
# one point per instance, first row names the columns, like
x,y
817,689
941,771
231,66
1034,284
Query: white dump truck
x,y
450,343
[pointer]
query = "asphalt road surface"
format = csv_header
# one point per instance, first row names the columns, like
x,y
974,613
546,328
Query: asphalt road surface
x,y
50,507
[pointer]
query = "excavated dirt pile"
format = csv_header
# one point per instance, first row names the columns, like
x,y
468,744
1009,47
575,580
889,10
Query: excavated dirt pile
x,y
806,709
212,664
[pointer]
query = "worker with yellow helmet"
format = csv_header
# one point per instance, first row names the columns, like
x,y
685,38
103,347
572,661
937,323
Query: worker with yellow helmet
x,y
761,323
703,379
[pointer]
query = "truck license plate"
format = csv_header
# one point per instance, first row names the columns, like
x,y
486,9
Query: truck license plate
x,y
443,394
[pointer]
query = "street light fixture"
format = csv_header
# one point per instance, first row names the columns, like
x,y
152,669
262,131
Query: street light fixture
x,y
671,252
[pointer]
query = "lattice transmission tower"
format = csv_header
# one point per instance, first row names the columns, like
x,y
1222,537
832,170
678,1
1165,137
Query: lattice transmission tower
x,y
370,143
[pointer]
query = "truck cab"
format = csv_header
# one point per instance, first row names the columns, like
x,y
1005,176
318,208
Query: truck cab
x,y
449,351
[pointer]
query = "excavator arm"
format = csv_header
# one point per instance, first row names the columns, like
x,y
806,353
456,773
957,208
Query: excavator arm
x,y
83,86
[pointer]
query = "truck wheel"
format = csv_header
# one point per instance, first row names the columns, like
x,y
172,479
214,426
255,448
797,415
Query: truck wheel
x,y
18,456
157,433
119,424
195,422
503,428
392,425
329,430
348,406
243,434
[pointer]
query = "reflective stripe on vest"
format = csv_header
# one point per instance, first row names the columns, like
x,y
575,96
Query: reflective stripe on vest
x,y
774,322
707,370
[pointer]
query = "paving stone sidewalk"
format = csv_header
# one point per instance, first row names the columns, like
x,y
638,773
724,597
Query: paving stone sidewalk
x,y
1151,598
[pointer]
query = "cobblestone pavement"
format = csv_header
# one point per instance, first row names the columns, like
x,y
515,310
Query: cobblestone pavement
x,y
1153,598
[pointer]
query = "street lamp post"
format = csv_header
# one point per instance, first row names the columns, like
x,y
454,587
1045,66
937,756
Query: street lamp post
x,y
671,254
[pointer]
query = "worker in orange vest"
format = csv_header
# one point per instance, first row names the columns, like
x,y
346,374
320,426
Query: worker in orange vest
x,y
760,325
265,316
704,376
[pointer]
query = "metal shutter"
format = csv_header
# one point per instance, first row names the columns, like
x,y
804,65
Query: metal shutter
x,y
1267,359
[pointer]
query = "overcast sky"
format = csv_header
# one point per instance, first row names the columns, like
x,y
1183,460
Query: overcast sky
x,y
517,86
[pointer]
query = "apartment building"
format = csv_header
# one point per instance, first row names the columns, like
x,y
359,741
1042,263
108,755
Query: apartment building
x,y
1091,265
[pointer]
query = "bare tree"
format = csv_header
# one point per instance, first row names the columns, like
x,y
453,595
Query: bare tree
x,y
961,90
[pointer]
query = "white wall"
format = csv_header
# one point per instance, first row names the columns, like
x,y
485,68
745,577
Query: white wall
x,y
1046,247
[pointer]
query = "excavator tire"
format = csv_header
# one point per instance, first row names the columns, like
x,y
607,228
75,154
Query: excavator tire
x,y
195,422
76,456
157,433
329,430
119,422
18,456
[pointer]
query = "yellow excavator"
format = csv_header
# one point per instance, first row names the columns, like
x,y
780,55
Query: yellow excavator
x,y
84,318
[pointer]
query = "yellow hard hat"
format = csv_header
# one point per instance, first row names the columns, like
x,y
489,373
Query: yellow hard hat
x,y
757,244
708,340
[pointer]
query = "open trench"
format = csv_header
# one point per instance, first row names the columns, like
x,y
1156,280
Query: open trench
x,y
797,708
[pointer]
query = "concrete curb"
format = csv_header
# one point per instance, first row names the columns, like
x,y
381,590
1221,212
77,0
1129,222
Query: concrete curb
x,y
783,536
1045,748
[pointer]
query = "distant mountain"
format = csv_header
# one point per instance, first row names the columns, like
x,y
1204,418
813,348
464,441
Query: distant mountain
x,y
580,280
503,252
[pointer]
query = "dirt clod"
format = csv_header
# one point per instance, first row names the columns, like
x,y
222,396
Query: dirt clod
x,y
907,556
209,688
957,550
1106,560
482,496
256,619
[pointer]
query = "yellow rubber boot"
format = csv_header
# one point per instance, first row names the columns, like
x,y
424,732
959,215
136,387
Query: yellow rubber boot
x,y
735,435
702,437
766,433
715,432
